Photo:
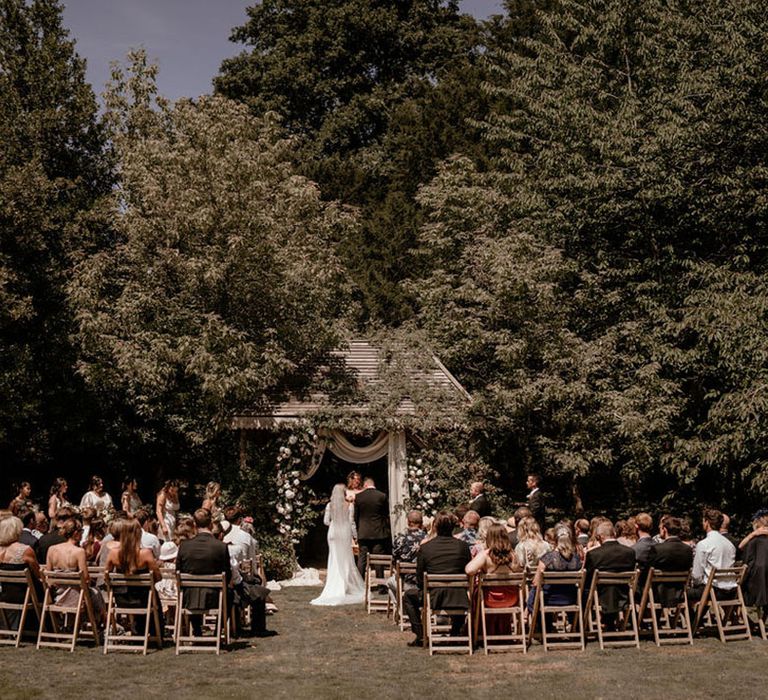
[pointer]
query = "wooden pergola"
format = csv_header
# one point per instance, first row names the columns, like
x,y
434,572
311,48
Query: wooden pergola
x,y
391,394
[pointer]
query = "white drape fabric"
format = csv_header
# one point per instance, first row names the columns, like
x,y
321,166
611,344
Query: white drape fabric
x,y
345,450
398,481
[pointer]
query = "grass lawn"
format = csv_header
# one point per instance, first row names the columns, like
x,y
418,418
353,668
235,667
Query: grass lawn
x,y
343,653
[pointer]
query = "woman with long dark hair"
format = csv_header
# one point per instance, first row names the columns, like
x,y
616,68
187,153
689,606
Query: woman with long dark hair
x,y
129,500
167,508
21,501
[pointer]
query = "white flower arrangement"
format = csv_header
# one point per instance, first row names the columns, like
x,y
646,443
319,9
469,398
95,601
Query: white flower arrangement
x,y
424,491
293,501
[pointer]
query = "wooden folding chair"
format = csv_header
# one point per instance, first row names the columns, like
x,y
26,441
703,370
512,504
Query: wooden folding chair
x,y
433,639
84,624
114,641
568,633
402,568
375,601
622,636
671,625
517,637
10,581
725,610
189,641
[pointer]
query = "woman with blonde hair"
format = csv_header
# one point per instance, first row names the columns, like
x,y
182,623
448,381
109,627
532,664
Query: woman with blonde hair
x,y
482,531
530,544
564,557
16,556
211,499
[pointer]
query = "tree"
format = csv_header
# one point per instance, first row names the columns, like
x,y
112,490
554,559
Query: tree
x,y
53,168
378,93
224,285
629,142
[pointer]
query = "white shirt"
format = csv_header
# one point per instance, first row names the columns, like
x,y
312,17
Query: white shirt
x,y
713,552
150,541
241,544
532,492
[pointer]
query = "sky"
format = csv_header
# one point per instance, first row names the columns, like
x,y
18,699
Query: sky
x,y
188,39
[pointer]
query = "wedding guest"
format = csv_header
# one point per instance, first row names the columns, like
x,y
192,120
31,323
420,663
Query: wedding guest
x,y
92,544
468,532
148,523
482,532
129,500
670,554
58,497
166,586
497,558
405,549
203,554
478,500
644,542
611,555
724,531
594,541
549,537
713,552
87,514
21,502
16,556
519,514
530,544
563,557
167,508
211,499
27,536
54,535
442,555
582,532
130,558
242,545
625,532
69,556
686,533
185,530
111,540
41,524
755,557
96,497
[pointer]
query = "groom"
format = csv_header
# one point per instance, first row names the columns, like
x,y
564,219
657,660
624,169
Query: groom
x,y
372,523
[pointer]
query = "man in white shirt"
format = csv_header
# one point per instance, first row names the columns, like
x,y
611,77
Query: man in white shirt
x,y
149,539
713,552
241,544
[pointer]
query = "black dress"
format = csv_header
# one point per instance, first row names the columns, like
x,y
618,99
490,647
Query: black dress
x,y
756,581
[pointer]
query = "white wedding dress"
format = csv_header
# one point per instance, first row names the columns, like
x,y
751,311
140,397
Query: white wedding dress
x,y
343,584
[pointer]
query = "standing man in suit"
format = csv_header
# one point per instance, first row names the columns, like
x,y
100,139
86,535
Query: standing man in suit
x,y
203,554
479,501
442,555
536,501
611,555
372,523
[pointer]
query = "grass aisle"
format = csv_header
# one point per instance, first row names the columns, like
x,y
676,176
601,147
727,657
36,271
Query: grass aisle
x,y
343,653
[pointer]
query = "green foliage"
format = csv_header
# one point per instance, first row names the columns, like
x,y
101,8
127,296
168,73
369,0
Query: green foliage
x,y
602,284
224,285
378,93
53,167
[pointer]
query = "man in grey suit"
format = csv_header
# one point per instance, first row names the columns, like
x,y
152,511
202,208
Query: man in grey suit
x,y
372,523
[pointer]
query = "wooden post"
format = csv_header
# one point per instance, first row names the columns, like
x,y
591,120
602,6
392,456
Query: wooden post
x,y
243,450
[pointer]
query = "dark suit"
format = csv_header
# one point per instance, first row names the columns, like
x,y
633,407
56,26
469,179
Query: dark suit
x,y
481,505
372,523
610,556
538,509
203,554
442,555
26,537
670,555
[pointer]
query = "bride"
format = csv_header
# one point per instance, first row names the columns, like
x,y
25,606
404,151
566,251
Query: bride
x,y
343,584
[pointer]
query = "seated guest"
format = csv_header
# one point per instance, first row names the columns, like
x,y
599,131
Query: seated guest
x,y
468,532
530,544
166,586
644,542
669,555
148,522
69,556
16,556
27,537
517,517
611,555
111,540
724,531
549,537
444,554
593,524
713,552
241,544
54,536
564,557
497,558
755,557
482,533
202,555
41,525
582,532
625,532
129,557
404,549
92,544
87,514
686,533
